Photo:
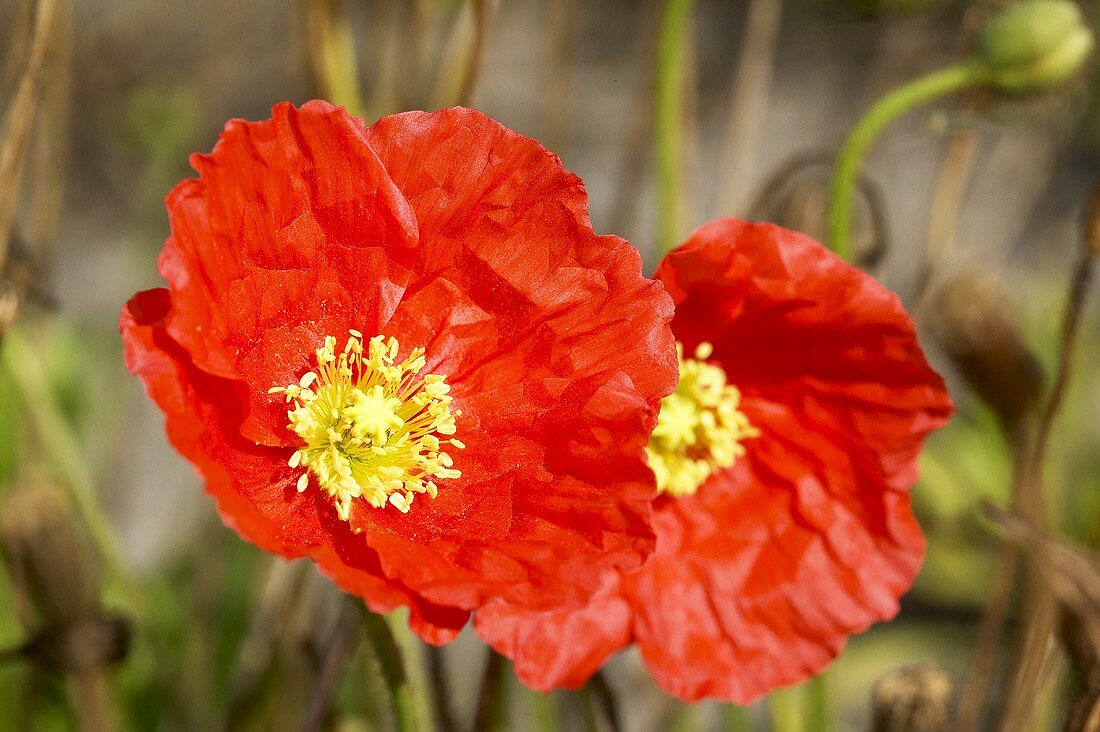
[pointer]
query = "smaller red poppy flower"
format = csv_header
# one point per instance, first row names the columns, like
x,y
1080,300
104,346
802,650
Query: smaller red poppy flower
x,y
784,460
401,351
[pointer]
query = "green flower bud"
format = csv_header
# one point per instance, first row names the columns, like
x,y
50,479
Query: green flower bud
x,y
1035,45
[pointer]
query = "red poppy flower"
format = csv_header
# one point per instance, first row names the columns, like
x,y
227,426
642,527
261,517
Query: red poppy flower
x,y
784,457
401,351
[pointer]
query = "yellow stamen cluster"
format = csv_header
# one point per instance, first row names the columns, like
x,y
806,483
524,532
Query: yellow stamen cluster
x,y
370,425
700,428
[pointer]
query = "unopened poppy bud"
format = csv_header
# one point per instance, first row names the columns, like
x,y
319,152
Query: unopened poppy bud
x,y
1035,45
973,320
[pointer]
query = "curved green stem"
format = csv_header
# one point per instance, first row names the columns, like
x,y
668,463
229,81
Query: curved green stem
x,y
392,664
667,119
846,171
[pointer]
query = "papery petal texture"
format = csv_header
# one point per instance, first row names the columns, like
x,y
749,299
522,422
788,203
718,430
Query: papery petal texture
x,y
760,577
445,231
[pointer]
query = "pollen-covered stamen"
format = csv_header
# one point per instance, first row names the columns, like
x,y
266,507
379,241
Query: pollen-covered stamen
x,y
700,427
371,426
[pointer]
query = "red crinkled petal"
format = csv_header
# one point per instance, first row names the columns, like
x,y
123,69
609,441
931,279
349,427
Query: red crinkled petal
x,y
811,537
450,232
254,491
561,646
759,578
293,231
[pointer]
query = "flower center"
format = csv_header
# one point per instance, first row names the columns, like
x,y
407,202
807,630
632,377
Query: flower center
x,y
700,428
371,426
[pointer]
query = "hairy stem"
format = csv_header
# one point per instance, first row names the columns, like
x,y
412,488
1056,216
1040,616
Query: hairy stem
x,y
392,664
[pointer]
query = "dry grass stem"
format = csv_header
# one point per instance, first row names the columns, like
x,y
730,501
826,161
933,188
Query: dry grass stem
x,y
19,121
748,103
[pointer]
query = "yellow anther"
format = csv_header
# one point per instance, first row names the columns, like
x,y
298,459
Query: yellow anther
x,y
371,427
700,427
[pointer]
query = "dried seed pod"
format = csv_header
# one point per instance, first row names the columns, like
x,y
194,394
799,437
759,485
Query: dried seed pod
x,y
796,196
86,644
49,556
913,699
972,318
55,576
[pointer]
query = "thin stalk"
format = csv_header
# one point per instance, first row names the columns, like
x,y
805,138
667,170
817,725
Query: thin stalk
x,y
476,57
89,694
668,131
748,101
891,106
489,698
605,697
339,651
441,692
411,650
639,129
783,713
1040,615
943,212
736,719
63,449
972,701
816,704
393,668
544,710
561,22
19,122
331,44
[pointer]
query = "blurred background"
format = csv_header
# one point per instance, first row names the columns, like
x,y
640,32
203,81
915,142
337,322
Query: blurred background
x,y
972,208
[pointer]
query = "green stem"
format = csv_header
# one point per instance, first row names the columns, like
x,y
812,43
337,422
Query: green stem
x,y
816,704
735,719
544,711
63,450
846,171
410,648
784,714
667,119
393,669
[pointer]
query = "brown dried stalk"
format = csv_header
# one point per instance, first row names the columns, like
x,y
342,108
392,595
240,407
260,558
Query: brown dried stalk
x,y
19,122
561,21
748,102
1040,615
476,56
491,696
332,61
340,648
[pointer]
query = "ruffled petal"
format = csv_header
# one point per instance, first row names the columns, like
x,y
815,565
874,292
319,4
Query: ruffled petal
x,y
760,577
553,489
253,487
292,231
449,232
558,353
559,647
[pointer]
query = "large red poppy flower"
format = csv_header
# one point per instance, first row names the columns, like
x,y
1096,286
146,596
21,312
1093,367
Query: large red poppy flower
x,y
764,567
401,351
